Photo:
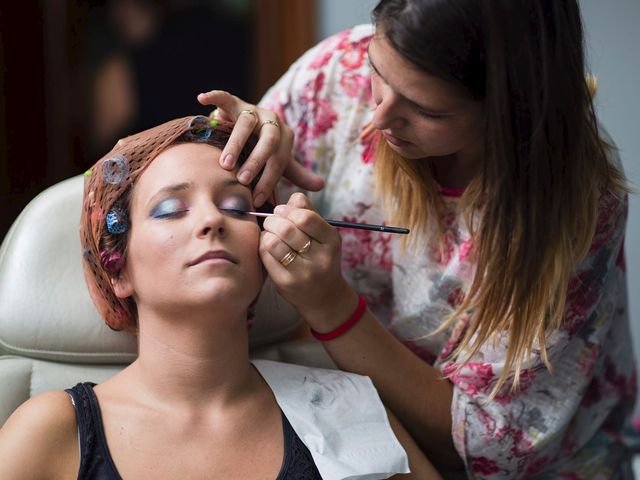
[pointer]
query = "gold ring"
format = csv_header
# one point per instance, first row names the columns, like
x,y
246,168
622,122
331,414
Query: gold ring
x,y
288,258
271,122
305,247
252,113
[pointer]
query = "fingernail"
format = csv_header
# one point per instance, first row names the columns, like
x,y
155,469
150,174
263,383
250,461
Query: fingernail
x,y
279,210
227,161
259,200
244,177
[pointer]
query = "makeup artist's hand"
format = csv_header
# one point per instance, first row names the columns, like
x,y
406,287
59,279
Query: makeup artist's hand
x,y
301,253
273,150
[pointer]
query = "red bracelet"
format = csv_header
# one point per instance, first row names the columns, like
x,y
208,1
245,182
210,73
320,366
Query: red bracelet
x,y
346,326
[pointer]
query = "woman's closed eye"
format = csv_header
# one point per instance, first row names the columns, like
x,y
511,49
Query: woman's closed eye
x,y
235,206
169,207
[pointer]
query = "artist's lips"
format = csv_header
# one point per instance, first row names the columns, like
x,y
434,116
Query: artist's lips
x,y
214,256
398,142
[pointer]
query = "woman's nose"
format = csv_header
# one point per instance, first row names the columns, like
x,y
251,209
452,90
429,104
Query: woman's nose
x,y
211,221
388,112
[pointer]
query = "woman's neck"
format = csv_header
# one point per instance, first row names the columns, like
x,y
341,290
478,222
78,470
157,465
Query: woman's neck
x,y
456,171
194,359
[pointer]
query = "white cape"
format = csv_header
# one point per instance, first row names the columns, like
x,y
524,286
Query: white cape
x,y
340,418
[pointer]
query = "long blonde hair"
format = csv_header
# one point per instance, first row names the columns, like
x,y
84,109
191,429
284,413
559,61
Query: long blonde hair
x,y
532,210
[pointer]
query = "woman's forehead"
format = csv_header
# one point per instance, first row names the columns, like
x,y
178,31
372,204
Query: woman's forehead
x,y
183,162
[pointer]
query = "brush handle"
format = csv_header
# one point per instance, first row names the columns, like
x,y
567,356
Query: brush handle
x,y
341,224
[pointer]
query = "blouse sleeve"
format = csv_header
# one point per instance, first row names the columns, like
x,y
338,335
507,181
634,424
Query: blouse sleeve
x,y
324,98
556,414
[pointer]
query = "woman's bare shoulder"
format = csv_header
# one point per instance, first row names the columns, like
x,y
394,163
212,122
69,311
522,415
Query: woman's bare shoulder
x,y
40,439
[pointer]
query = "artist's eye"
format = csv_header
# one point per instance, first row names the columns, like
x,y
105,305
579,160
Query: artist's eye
x,y
235,205
169,207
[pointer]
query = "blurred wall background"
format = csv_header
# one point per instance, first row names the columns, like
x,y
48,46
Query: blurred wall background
x,y
75,75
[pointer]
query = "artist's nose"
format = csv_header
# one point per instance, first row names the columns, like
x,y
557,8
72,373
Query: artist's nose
x,y
389,112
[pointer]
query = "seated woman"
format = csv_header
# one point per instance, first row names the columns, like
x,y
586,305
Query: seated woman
x,y
169,258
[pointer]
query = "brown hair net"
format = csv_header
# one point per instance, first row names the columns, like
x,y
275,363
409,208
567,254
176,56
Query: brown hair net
x,y
106,194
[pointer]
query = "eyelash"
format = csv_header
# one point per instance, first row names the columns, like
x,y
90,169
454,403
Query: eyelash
x,y
177,207
432,116
235,212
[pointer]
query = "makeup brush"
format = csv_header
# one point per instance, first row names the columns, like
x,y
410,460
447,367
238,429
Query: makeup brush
x,y
338,223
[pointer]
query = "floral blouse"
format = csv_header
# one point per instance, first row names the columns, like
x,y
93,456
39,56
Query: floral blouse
x,y
573,423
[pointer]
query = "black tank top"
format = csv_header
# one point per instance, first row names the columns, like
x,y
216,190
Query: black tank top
x,y
96,462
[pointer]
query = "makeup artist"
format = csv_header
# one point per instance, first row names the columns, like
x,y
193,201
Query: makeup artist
x,y
498,331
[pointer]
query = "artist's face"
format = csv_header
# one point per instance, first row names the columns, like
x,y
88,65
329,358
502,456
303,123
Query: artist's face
x,y
184,251
420,115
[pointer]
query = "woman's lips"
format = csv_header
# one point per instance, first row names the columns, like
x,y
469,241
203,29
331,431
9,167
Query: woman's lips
x,y
214,256
398,142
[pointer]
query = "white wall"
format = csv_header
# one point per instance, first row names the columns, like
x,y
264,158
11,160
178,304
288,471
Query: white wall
x,y
613,42
613,39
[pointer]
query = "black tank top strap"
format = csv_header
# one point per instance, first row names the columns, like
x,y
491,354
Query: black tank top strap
x,y
95,461
298,463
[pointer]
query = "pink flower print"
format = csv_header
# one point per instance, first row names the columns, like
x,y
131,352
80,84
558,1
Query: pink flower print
x,y
353,56
592,395
608,210
312,89
362,247
356,85
456,297
587,361
442,252
454,338
506,396
472,378
321,60
483,466
369,153
325,117
465,248
537,465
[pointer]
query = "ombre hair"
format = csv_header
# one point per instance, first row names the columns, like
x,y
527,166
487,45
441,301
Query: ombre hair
x,y
532,209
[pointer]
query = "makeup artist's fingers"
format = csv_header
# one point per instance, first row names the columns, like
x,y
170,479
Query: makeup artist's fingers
x,y
310,223
306,281
245,116
288,233
225,103
271,155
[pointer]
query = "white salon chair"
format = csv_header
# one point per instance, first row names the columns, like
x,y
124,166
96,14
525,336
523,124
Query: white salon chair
x,y
51,336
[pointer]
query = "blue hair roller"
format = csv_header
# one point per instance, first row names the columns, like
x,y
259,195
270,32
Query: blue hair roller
x,y
117,221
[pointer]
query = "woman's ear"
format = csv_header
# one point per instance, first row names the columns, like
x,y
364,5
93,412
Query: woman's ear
x,y
122,286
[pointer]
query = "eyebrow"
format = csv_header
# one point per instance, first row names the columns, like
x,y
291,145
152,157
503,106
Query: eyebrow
x,y
415,104
178,187
232,182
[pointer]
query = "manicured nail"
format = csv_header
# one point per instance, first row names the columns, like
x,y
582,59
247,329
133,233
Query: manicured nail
x,y
227,161
259,200
279,209
244,177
